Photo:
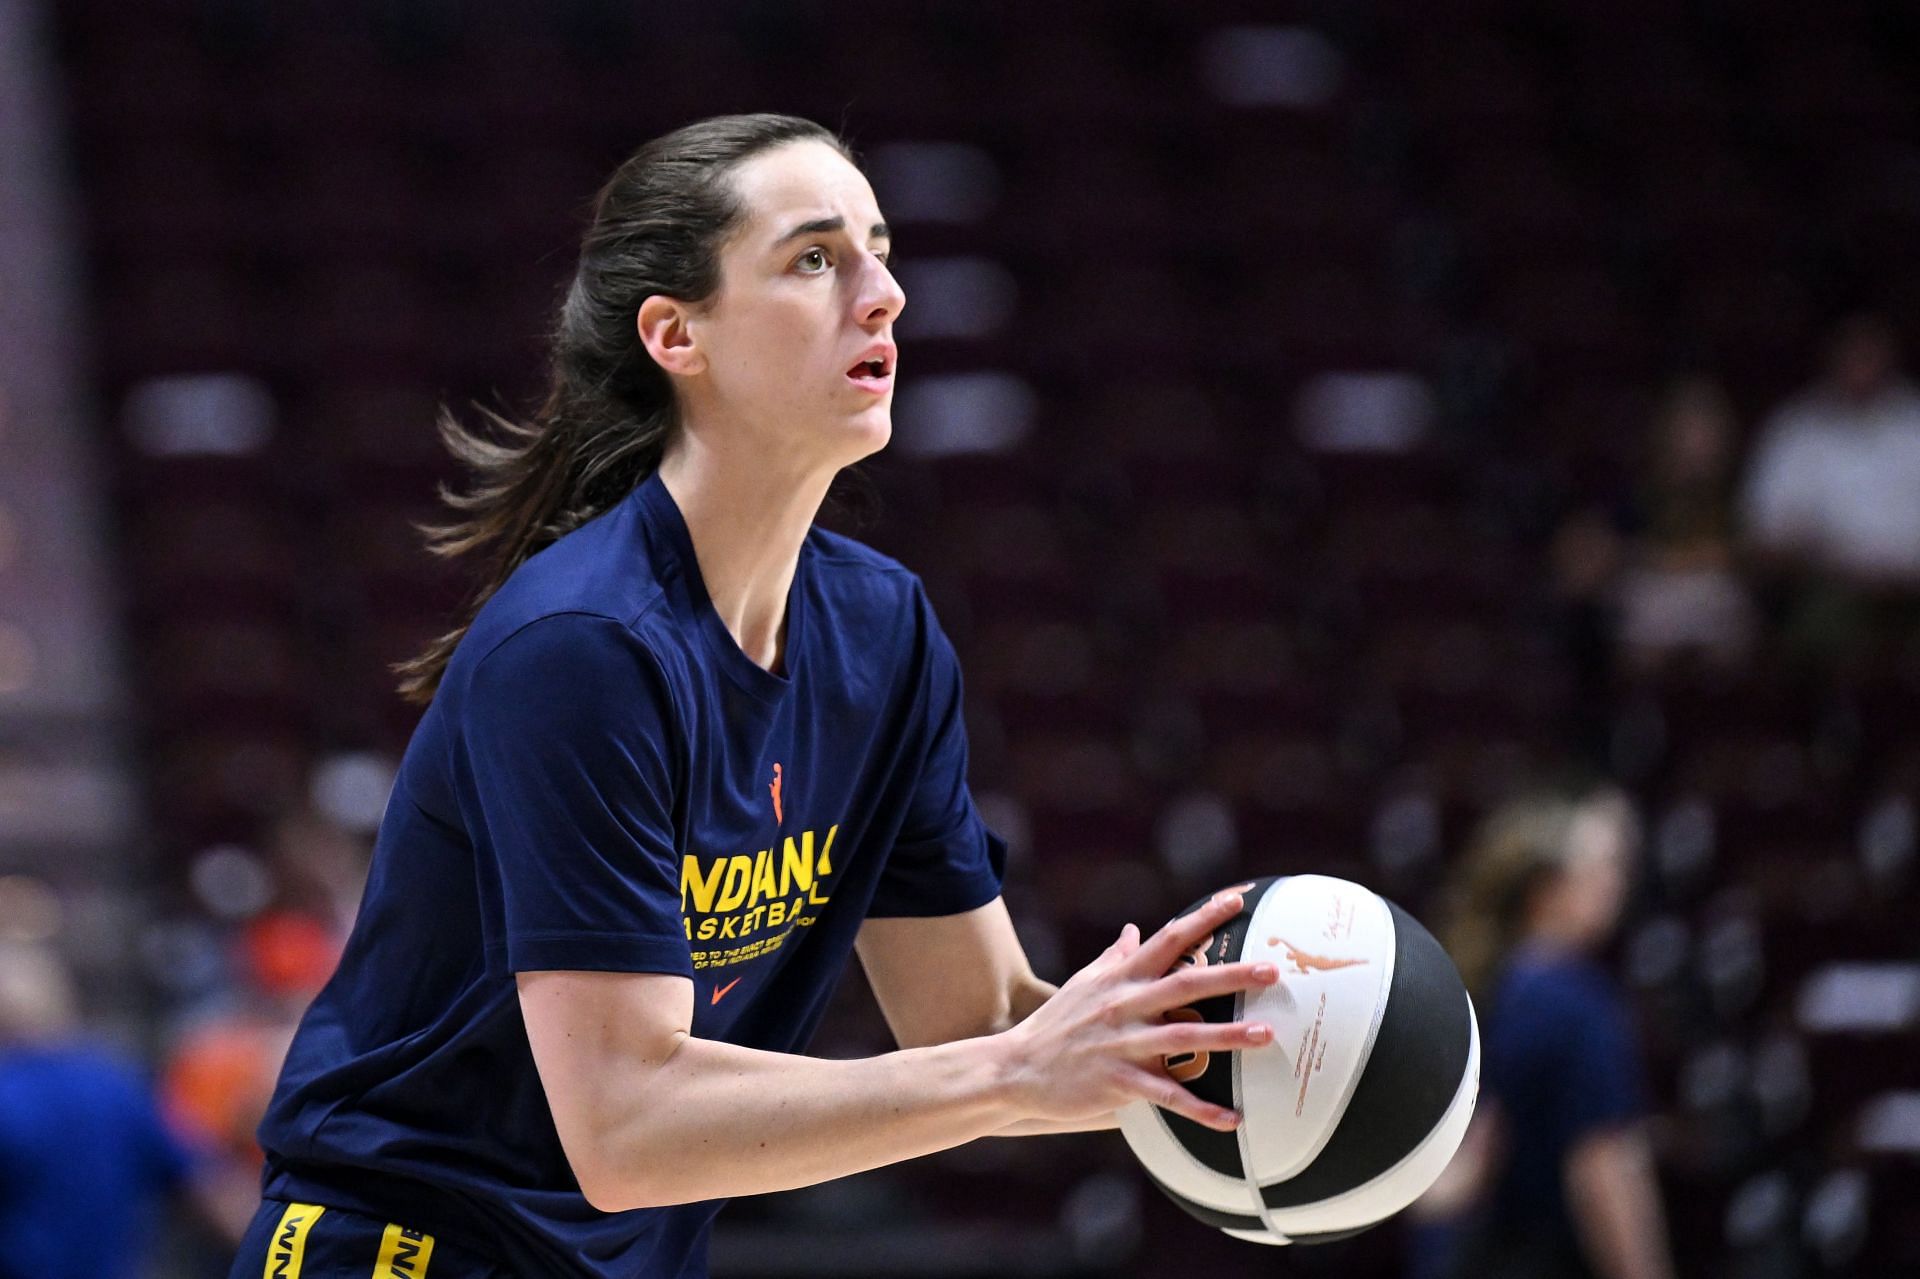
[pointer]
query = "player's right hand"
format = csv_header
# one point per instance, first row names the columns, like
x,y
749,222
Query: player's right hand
x,y
1101,1042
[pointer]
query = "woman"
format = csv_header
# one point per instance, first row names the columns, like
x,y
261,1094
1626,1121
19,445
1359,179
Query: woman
x,y
1555,1179
688,754
1681,592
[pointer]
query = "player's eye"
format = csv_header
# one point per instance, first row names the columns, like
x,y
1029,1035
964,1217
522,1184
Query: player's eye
x,y
811,255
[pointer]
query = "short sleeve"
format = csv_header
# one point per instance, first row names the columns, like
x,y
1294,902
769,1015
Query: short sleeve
x,y
567,727
944,860
1603,1086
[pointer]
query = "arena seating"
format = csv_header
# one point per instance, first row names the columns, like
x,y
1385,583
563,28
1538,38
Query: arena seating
x,y
1164,597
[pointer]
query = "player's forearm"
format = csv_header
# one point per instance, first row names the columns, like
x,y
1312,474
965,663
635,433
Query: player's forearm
x,y
1616,1204
1050,1127
720,1120
1026,1000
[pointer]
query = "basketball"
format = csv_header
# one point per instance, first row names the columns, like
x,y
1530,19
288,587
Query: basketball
x,y
1365,1092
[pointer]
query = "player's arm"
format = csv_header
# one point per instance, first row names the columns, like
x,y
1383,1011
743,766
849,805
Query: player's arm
x,y
1462,1186
946,977
649,1114
1615,1199
949,977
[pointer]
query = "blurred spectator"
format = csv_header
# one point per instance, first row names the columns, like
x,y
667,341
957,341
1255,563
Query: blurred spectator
x,y
1835,481
1654,577
321,868
1679,592
1585,563
1556,1178
1832,507
219,1075
220,1072
85,1158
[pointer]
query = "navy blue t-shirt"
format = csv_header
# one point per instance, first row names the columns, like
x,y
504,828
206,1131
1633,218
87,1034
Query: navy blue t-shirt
x,y
85,1161
1562,1062
604,781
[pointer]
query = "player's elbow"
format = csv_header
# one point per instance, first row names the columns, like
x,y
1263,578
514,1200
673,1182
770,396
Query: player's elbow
x,y
605,1046
610,1175
609,1193
604,1194
609,1188
617,1168
590,1133
601,1183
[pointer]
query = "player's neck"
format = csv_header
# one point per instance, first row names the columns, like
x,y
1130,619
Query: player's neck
x,y
747,525
1559,934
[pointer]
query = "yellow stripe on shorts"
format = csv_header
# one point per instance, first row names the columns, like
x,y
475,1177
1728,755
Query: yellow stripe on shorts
x,y
404,1254
287,1250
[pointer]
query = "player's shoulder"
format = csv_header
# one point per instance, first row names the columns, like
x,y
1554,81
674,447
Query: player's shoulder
x,y
523,621
594,589
854,573
839,553
1558,989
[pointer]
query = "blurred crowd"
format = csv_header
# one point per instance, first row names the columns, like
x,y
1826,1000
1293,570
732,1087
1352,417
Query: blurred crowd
x,y
118,1158
1805,541
1289,437
1799,549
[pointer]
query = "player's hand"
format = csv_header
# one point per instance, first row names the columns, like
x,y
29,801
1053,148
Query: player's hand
x,y
1101,1041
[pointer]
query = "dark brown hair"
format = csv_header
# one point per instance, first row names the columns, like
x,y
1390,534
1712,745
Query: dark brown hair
x,y
657,227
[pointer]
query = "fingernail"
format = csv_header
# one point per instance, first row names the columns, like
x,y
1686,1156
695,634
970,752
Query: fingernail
x,y
1265,972
1260,1034
1233,1120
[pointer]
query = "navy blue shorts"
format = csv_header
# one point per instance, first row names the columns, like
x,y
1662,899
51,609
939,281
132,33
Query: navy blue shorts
x,y
309,1241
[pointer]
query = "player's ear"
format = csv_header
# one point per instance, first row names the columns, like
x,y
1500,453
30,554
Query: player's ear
x,y
666,331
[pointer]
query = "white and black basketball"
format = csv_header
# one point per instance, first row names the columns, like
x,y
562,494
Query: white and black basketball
x,y
1365,1092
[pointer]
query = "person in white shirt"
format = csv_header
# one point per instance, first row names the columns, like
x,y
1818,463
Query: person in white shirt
x,y
1834,485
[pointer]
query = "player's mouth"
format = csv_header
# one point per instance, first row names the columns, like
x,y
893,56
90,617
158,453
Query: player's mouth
x,y
874,372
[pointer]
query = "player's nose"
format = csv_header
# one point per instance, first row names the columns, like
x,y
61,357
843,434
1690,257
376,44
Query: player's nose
x,y
880,298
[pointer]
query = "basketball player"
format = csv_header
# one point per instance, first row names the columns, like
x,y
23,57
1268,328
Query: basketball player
x,y
1556,1180
687,755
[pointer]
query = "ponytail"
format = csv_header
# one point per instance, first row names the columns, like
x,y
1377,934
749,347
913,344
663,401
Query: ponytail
x,y
657,228
1485,909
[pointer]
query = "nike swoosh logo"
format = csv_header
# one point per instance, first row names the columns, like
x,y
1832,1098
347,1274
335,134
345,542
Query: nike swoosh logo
x,y
721,991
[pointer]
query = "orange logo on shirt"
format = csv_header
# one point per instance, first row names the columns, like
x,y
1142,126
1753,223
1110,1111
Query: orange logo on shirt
x,y
774,786
720,992
1304,963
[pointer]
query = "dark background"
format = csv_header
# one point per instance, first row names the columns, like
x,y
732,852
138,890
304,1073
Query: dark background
x,y
1199,642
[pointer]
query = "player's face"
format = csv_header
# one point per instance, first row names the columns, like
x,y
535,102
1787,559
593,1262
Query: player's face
x,y
805,296
1595,879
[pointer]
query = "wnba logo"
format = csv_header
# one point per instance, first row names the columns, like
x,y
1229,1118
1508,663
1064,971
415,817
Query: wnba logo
x,y
1305,962
404,1254
289,1249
